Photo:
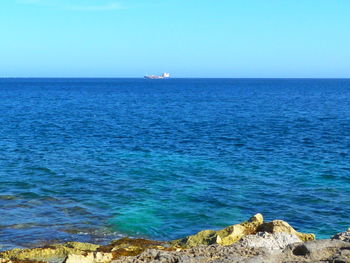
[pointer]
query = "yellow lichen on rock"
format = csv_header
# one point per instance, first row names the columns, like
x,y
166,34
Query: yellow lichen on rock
x,y
277,226
131,247
59,251
237,232
34,254
205,237
232,234
2,260
81,246
226,236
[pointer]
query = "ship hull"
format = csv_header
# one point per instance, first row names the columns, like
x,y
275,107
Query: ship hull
x,y
153,77
164,76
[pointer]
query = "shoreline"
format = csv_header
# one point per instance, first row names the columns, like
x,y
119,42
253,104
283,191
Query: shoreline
x,y
251,241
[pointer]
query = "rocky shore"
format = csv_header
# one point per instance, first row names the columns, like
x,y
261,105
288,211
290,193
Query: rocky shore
x,y
250,241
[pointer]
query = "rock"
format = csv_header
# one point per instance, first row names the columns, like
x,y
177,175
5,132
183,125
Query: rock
x,y
252,241
260,248
318,250
272,242
103,257
36,254
81,246
92,257
232,234
20,261
81,252
278,226
53,253
154,256
344,236
226,236
199,254
88,258
206,237
131,247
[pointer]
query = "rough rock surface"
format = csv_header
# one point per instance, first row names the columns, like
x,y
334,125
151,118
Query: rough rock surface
x,y
344,236
325,250
271,242
54,253
95,257
213,253
75,252
278,226
313,251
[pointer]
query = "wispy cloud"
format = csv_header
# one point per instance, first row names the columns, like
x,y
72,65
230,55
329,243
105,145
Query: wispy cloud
x,y
78,7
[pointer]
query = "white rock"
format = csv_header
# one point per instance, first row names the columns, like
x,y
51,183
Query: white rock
x,y
97,257
89,258
273,242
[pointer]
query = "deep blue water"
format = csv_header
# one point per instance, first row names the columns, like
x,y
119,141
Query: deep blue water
x,y
95,159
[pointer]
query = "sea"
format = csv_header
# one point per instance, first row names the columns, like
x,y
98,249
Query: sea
x,y
94,160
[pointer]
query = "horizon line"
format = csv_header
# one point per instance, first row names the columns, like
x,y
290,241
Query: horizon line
x,y
176,78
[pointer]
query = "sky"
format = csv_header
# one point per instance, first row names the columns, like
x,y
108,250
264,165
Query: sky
x,y
188,38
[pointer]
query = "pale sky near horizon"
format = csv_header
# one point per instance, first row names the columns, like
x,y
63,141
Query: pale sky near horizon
x,y
188,38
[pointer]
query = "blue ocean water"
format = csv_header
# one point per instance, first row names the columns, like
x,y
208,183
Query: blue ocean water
x,y
96,159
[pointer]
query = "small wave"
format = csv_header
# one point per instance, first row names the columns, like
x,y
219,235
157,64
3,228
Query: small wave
x,y
75,210
42,169
22,226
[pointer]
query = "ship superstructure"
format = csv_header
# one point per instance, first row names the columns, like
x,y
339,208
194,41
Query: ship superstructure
x,y
163,76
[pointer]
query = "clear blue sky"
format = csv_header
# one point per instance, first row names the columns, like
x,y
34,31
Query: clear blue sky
x,y
188,38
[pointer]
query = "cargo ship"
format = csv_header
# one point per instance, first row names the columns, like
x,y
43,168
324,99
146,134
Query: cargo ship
x,y
163,76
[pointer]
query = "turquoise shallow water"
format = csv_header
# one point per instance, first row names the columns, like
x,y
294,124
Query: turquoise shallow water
x,y
96,159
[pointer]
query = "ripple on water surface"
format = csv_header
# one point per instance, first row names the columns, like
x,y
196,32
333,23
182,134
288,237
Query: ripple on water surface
x,y
93,160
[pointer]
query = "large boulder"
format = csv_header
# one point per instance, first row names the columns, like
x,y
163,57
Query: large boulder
x,y
278,226
232,234
226,236
272,242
